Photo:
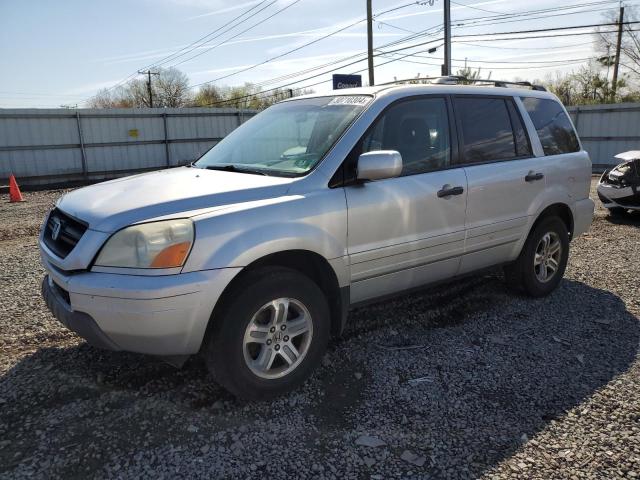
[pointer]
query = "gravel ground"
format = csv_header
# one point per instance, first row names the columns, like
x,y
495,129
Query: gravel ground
x,y
466,380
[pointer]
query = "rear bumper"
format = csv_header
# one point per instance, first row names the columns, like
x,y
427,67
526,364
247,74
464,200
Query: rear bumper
x,y
582,216
161,315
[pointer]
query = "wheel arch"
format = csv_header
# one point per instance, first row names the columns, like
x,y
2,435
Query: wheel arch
x,y
560,210
306,262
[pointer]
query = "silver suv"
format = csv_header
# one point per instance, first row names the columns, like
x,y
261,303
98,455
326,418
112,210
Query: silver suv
x,y
253,255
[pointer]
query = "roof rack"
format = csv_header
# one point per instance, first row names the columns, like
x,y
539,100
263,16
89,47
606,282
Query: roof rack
x,y
455,80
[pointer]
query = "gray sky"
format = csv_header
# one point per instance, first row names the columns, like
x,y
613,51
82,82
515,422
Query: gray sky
x,y
62,52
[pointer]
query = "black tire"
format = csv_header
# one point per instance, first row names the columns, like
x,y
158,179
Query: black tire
x,y
224,351
617,211
522,274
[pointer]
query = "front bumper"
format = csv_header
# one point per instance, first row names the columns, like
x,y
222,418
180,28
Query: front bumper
x,y
77,322
158,315
622,197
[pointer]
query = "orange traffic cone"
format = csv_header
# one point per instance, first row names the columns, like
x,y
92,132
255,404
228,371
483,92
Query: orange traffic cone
x,y
14,190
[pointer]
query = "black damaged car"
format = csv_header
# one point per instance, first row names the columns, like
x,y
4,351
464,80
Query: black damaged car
x,y
619,187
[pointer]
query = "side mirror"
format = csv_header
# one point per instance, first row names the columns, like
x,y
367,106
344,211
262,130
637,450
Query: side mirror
x,y
379,164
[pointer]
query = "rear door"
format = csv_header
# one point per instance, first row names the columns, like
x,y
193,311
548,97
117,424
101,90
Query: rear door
x,y
568,167
503,176
402,232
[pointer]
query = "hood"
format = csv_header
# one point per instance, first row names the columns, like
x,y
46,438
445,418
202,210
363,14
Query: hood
x,y
111,205
629,156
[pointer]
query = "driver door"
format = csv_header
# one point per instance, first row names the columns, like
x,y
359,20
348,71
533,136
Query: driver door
x,y
408,231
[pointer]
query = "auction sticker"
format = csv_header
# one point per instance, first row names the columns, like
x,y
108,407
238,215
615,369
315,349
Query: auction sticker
x,y
350,100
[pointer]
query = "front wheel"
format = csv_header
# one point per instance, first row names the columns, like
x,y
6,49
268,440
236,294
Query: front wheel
x,y
543,260
270,335
617,211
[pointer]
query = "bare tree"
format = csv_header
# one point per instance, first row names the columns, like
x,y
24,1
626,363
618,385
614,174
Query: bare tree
x,y
116,98
588,85
606,40
171,88
208,96
468,75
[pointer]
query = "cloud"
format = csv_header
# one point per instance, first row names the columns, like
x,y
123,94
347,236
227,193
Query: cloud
x,y
225,10
91,87
307,61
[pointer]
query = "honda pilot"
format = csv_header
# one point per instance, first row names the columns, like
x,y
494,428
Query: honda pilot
x,y
253,255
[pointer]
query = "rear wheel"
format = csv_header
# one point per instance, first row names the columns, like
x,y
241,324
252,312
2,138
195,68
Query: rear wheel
x,y
543,260
270,335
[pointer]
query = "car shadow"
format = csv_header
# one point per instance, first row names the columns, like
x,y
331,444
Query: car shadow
x,y
501,368
631,217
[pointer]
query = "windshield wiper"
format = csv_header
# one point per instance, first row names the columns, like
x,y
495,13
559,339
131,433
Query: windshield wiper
x,y
235,168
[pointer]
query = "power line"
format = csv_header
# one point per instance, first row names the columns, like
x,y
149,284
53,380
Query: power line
x,y
335,32
121,82
175,55
320,74
536,11
238,34
413,46
474,8
541,30
494,68
545,36
425,33
522,48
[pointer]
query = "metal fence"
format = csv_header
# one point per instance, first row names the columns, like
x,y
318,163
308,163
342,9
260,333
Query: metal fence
x,y
59,146
606,130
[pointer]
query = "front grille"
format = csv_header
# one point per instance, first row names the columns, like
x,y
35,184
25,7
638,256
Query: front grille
x,y
70,233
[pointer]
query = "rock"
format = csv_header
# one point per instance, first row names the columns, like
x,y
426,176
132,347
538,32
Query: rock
x,y
358,375
412,458
192,429
370,441
204,449
369,462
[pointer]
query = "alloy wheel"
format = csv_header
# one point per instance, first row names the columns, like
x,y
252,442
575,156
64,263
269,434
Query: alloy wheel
x,y
548,254
277,338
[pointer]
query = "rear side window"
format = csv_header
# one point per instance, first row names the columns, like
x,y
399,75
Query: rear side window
x,y
491,130
553,125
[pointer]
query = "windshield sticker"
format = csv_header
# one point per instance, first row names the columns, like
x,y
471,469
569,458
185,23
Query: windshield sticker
x,y
350,100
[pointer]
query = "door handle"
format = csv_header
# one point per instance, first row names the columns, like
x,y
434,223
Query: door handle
x,y
532,177
448,191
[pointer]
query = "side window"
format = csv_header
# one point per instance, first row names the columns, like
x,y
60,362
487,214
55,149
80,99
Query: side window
x,y
553,125
491,130
418,129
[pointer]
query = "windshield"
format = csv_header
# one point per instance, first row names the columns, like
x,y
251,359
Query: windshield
x,y
288,139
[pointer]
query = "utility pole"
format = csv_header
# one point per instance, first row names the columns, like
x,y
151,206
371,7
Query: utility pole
x,y
148,73
446,67
370,42
616,65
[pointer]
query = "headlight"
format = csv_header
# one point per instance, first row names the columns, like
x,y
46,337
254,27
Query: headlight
x,y
149,245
